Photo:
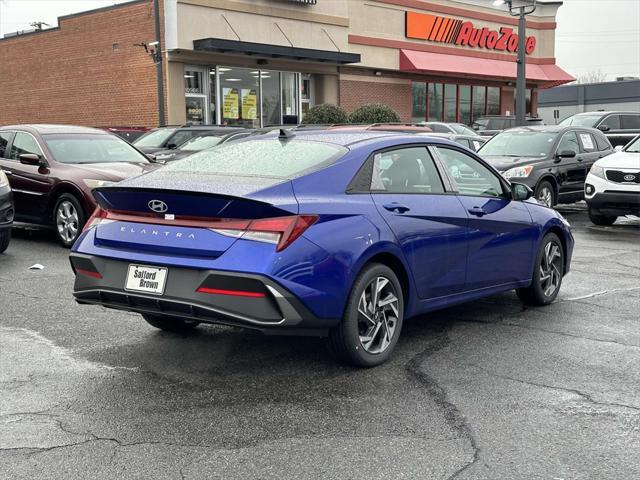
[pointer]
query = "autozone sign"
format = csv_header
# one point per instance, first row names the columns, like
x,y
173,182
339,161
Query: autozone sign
x,y
459,32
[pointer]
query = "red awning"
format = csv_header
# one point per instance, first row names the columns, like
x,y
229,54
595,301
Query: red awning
x,y
545,76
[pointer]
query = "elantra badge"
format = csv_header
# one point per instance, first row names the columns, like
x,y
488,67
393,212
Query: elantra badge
x,y
158,206
629,178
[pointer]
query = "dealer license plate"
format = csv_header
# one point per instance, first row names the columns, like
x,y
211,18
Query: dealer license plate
x,y
141,278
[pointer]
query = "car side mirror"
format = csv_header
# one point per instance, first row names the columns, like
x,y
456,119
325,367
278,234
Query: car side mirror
x,y
172,146
520,191
31,159
566,154
151,157
618,148
604,128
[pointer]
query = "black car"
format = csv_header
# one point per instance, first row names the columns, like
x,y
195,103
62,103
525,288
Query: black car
x,y
201,142
552,160
619,127
169,138
472,142
6,208
489,125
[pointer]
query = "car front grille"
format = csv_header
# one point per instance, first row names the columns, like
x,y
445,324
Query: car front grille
x,y
623,177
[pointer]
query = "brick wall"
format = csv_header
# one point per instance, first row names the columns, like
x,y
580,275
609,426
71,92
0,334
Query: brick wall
x,y
76,75
354,93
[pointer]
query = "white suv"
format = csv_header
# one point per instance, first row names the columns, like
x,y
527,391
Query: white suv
x,y
612,188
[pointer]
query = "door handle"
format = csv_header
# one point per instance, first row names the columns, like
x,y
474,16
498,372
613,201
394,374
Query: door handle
x,y
579,159
396,207
477,211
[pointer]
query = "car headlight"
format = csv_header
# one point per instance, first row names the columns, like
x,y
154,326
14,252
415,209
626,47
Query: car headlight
x,y
4,181
518,172
597,170
93,183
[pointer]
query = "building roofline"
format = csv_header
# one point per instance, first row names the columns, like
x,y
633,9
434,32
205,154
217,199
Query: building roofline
x,y
73,15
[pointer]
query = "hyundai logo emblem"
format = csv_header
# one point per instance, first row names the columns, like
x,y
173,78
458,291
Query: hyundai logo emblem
x,y
629,178
158,206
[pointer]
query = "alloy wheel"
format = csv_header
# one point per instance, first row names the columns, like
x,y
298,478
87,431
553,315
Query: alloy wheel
x,y
67,221
378,315
550,275
545,196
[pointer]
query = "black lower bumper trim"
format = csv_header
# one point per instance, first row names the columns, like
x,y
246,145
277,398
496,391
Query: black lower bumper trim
x,y
620,203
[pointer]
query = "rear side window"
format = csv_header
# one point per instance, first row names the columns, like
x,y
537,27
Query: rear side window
x,y
437,128
612,121
630,122
405,170
264,158
587,141
24,143
603,143
4,141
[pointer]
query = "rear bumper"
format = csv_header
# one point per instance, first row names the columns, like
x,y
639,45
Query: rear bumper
x,y
7,210
277,311
616,203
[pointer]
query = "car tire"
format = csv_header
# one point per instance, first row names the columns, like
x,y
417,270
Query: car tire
x,y
5,238
170,324
68,219
545,193
598,219
370,327
547,273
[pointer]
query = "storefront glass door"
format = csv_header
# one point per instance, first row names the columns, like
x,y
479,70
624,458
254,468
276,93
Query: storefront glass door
x,y
239,97
195,95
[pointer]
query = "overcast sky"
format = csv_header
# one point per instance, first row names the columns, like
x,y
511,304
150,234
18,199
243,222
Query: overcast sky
x,y
591,35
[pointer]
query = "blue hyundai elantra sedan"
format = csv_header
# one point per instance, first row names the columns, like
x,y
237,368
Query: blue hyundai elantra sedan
x,y
326,233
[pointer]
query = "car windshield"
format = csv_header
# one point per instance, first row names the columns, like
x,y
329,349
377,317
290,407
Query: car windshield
x,y
155,138
633,146
581,120
265,158
87,148
520,143
200,143
462,129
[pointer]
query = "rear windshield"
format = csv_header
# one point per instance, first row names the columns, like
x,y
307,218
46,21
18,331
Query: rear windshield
x,y
155,138
581,120
201,143
87,148
264,158
519,143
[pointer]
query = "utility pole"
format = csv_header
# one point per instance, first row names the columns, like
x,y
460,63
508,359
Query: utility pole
x,y
157,57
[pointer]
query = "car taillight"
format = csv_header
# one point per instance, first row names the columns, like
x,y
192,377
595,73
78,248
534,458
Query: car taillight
x,y
95,219
281,231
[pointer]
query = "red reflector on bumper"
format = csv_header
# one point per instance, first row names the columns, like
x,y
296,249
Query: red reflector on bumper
x,y
236,293
88,273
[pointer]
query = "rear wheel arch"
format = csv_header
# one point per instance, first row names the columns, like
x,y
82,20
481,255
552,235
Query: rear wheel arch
x,y
397,266
70,190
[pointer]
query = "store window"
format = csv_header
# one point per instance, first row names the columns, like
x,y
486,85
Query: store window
x,y
464,104
289,86
247,97
419,109
493,100
450,102
306,90
435,102
195,96
479,95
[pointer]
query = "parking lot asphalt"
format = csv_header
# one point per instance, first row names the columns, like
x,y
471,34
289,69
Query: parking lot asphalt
x,y
486,390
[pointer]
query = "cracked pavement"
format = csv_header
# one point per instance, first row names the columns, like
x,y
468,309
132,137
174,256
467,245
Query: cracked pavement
x,y
487,390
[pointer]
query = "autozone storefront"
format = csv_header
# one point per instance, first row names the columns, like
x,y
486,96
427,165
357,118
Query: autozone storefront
x,y
268,61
